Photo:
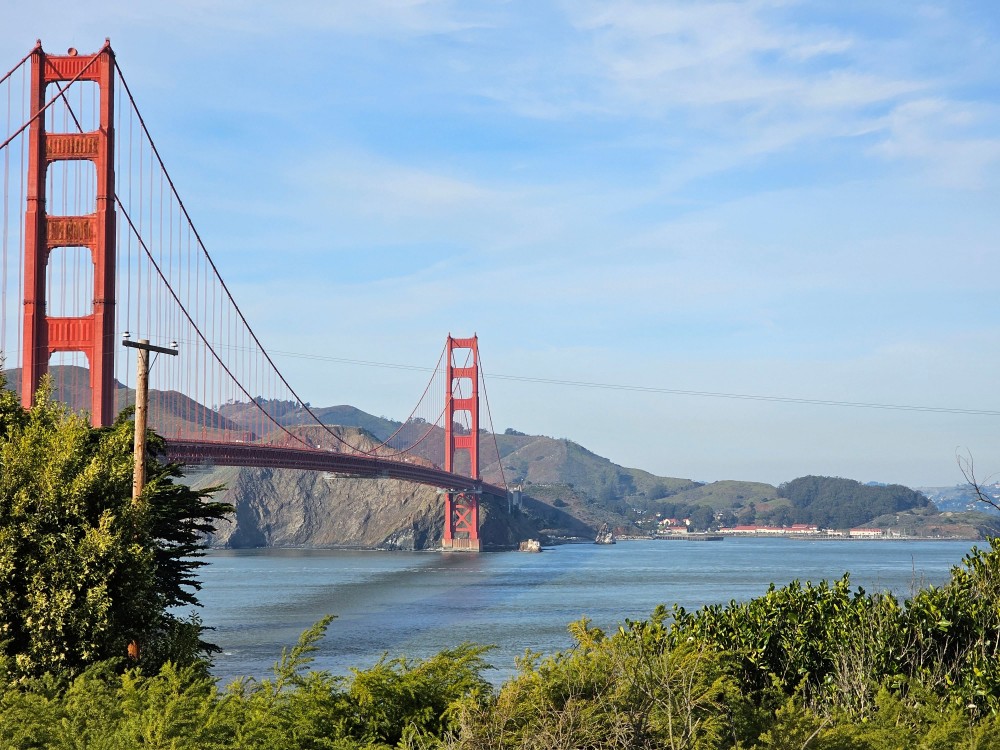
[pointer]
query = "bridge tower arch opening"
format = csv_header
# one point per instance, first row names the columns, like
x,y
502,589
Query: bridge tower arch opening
x,y
461,440
91,334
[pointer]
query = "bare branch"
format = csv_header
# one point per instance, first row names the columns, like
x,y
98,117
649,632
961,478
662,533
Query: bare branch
x,y
967,466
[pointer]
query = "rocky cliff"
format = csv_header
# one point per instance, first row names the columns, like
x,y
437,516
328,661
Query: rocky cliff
x,y
294,508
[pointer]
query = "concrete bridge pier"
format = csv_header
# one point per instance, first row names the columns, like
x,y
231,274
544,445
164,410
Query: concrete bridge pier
x,y
461,521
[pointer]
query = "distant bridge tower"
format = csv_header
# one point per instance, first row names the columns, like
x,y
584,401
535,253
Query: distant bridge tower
x,y
92,334
461,509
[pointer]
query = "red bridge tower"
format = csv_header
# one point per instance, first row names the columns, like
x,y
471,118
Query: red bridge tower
x,y
461,508
92,334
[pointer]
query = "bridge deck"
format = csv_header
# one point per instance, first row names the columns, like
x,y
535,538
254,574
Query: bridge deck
x,y
370,467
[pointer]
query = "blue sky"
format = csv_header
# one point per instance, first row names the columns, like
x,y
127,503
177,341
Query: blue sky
x,y
779,198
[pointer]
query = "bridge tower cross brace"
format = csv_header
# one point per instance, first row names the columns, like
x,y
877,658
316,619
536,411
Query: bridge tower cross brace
x,y
92,334
461,509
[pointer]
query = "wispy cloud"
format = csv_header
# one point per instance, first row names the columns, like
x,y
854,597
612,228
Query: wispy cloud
x,y
382,190
957,143
766,78
770,194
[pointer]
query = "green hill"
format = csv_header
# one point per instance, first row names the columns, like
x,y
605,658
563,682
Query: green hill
x,y
836,503
571,491
728,494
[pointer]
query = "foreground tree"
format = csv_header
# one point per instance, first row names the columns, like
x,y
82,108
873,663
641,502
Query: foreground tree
x,y
84,572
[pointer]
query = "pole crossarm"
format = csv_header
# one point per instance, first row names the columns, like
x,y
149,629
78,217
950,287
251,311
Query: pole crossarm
x,y
150,347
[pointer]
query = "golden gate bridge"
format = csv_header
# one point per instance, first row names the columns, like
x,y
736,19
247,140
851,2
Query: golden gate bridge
x,y
98,246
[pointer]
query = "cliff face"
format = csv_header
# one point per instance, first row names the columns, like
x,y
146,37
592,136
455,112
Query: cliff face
x,y
292,508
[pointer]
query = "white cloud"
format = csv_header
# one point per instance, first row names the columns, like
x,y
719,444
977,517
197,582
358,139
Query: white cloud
x,y
761,83
948,138
716,195
675,55
380,189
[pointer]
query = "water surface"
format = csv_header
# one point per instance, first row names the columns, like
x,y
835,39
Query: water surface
x,y
417,603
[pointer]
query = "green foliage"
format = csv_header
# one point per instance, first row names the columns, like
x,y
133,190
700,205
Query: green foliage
x,y
635,689
83,570
819,666
394,704
399,699
104,709
838,648
919,720
726,494
835,503
803,637
953,633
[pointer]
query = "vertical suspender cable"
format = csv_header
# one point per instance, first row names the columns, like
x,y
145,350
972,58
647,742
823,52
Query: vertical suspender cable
x,y
6,213
489,414
22,200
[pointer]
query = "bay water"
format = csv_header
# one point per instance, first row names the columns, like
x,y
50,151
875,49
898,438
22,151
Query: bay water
x,y
415,604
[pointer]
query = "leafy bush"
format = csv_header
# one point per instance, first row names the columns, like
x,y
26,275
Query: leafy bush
x,y
635,689
395,704
84,571
838,648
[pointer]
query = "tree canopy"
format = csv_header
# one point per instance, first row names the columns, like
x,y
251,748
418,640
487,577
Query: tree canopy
x,y
835,503
84,572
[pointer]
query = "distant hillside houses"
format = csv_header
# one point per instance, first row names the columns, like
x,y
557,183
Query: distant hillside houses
x,y
802,529
796,529
866,533
667,523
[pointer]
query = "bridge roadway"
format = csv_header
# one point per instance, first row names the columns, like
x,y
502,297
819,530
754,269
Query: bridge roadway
x,y
369,467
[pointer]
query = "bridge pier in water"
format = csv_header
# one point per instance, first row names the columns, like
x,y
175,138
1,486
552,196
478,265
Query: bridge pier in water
x,y
461,521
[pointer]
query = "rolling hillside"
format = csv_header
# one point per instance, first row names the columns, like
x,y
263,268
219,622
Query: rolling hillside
x,y
568,490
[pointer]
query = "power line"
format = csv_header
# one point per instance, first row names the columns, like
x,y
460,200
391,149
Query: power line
x,y
653,389
665,391
648,389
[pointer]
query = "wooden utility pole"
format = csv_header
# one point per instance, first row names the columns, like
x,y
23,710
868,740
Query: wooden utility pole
x,y
142,408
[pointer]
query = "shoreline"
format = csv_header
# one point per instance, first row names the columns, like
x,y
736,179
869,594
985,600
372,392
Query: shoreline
x,y
719,537
560,541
